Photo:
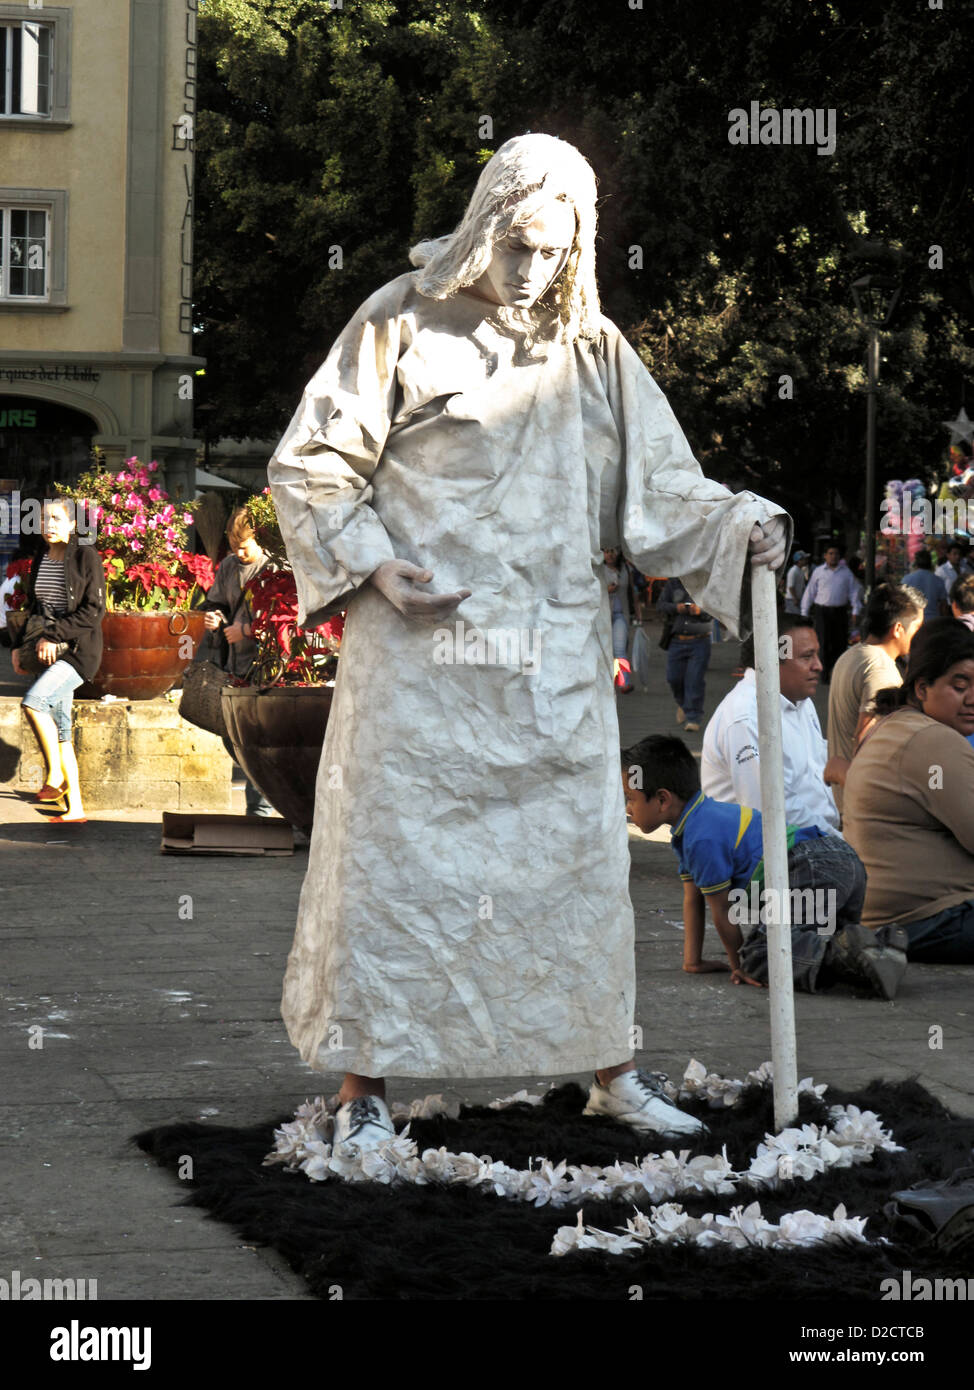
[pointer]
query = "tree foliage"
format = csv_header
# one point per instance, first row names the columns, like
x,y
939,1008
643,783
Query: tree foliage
x,y
729,266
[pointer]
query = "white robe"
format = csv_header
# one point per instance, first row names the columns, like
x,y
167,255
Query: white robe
x,y
466,908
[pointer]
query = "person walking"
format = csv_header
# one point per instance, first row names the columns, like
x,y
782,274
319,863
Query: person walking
x,y
626,590
688,654
796,581
66,586
227,610
832,591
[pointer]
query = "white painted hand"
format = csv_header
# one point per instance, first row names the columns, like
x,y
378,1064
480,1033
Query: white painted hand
x,y
768,544
399,582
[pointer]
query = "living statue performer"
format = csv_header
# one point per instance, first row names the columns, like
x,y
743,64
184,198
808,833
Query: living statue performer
x,y
477,436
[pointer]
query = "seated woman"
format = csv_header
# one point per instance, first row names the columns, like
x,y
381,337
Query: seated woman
x,y
67,582
909,794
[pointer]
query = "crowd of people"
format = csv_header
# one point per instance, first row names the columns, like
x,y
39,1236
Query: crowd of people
x,y
878,809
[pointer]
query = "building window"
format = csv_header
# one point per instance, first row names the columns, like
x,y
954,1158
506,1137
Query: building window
x,y
26,52
33,248
35,66
24,253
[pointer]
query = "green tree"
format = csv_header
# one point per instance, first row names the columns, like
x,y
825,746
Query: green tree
x,y
729,266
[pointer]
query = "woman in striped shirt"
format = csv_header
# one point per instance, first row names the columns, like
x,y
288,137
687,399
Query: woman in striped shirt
x,y
66,584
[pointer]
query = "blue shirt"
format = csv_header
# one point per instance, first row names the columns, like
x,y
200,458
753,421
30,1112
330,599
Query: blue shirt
x,y
934,590
720,844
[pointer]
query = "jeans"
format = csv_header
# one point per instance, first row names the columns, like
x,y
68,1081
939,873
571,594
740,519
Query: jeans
x,y
946,938
686,670
620,636
52,694
255,801
835,876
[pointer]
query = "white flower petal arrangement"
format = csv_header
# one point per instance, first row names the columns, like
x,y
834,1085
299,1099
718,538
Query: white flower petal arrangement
x,y
852,1136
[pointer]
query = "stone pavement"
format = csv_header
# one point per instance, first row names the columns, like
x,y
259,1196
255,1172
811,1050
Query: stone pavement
x,y
156,982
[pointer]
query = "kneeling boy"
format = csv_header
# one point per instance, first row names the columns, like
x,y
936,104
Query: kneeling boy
x,y
720,849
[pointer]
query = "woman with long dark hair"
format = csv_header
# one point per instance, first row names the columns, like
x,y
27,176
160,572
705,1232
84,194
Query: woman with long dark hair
x,y
66,585
909,799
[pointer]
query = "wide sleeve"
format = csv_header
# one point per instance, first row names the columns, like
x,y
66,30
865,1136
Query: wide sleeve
x,y
321,472
672,520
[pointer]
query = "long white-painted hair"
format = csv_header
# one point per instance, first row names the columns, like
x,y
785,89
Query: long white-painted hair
x,y
525,173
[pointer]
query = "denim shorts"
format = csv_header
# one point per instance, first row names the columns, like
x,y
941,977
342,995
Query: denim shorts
x,y
52,694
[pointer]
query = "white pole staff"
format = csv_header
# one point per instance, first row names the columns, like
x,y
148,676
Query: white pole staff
x,y
783,1052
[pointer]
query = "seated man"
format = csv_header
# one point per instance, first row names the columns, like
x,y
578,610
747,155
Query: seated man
x,y
721,854
730,766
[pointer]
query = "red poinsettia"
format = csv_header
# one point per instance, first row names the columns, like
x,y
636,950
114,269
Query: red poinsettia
x,y
18,570
286,652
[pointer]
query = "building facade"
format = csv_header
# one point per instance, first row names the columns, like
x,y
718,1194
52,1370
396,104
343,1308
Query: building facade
x,y
97,112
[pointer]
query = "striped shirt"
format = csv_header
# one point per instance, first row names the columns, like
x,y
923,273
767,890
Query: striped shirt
x,y
50,586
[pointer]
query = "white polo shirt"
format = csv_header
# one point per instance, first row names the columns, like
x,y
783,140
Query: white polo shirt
x,y
729,767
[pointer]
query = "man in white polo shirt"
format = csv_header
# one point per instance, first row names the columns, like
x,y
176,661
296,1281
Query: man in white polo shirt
x,y
730,766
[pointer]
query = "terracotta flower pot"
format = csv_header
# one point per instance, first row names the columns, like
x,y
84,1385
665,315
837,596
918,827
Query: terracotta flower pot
x,y
277,732
145,653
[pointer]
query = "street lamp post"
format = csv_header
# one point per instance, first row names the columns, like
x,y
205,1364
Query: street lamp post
x,y
875,298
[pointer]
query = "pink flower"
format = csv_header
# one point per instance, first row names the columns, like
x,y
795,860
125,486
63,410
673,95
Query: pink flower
x,y
153,466
116,498
136,545
122,478
131,501
155,495
188,518
128,531
139,523
170,534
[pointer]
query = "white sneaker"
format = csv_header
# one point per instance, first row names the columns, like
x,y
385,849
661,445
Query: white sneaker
x,y
360,1124
691,727
637,1098
680,716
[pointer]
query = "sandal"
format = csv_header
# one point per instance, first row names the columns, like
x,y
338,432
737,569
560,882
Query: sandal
x,y
49,793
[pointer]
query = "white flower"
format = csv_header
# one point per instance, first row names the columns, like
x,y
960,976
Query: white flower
x,y
315,1163
548,1184
519,1098
587,1182
567,1237
468,1168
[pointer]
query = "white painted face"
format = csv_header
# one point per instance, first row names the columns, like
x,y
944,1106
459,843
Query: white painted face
x,y
529,258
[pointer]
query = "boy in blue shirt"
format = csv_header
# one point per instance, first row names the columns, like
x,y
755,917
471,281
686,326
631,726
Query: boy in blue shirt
x,y
720,851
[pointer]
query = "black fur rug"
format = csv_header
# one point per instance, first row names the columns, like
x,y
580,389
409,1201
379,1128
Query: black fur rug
x,y
459,1243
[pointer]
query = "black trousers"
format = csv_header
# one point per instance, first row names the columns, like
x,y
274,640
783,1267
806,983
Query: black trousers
x,y
832,630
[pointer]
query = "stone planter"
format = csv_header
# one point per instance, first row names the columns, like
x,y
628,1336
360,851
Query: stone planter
x,y
277,732
145,653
